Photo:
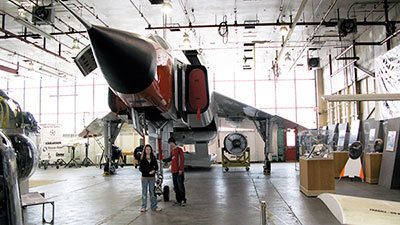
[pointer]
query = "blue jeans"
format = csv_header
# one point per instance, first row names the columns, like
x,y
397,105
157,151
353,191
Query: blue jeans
x,y
149,184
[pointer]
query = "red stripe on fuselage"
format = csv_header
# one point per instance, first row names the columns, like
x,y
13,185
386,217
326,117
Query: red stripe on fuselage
x,y
160,92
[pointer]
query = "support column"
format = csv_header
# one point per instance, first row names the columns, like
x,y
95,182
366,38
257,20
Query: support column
x,y
322,104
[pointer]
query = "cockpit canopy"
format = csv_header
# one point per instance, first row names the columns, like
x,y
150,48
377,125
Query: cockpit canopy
x,y
156,38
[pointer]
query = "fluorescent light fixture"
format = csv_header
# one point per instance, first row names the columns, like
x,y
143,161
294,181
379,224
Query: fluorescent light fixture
x,y
51,73
166,7
75,46
284,31
186,39
287,57
33,28
21,13
30,66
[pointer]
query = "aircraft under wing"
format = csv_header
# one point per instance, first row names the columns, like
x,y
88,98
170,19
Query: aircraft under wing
x,y
96,127
235,111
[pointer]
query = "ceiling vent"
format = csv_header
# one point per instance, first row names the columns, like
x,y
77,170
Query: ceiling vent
x,y
43,15
313,62
347,26
156,2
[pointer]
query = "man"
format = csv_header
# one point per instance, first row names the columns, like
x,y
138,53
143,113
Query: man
x,y
178,178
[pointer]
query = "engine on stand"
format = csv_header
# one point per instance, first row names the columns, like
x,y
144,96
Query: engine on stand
x,y
235,144
18,158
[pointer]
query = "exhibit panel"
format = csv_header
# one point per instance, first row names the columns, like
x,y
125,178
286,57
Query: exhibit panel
x,y
343,137
390,169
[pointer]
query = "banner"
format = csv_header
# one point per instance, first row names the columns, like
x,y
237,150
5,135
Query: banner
x,y
51,142
387,70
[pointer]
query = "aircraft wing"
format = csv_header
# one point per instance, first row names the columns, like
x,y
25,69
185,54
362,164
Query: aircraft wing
x,y
96,127
233,110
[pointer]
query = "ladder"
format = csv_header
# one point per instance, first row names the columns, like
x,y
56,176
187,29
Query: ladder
x,y
101,147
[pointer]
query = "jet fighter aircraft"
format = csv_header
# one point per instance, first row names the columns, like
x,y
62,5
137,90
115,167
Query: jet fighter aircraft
x,y
162,96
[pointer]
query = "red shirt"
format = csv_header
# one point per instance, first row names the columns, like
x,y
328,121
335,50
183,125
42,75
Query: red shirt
x,y
176,160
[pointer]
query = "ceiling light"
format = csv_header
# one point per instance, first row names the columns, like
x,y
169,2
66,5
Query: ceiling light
x,y
75,46
287,57
186,39
166,7
284,31
21,13
30,66
33,28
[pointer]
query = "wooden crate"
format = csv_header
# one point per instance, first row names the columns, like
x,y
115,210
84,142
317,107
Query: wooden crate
x,y
372,167
316,176
339,161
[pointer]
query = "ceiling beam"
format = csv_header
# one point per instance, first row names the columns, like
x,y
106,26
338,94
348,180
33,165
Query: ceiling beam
x,y
289,35
325,23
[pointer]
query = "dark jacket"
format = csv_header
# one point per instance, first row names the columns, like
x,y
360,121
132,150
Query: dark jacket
x,y
145,167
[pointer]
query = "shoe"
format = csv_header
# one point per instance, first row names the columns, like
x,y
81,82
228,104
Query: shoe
x,y
183,204
157,209
142,210
177,203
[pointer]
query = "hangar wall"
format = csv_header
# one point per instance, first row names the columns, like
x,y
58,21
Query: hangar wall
x,y
255,143
341,83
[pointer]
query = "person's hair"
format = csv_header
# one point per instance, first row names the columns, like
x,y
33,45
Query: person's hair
x,y
152,156
171,140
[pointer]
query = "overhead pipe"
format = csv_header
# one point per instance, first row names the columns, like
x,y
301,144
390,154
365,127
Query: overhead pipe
x,y
20,6
388,32
15,71
325,23
35,61
141,13
369,73
311,37
96,16
61,21
367,43
74,31
344,67
38,35
289,35
33,44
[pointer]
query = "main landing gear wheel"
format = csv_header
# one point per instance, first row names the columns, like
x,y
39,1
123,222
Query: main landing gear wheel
x,y
226,169
166,193
247,168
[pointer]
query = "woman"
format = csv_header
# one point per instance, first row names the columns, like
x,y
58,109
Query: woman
x,y
148,166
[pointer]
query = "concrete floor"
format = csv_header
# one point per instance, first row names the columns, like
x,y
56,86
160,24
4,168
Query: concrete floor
x,y
84,196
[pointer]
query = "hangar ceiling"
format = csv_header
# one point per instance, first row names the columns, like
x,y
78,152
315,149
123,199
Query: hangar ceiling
x,y
36,56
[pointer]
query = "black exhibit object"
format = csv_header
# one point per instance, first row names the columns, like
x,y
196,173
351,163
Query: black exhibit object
x,y
347,26
378,145
43,15
10,201
235,143
166,193
27,157
355,150
116,153
138,152
313,62
127,61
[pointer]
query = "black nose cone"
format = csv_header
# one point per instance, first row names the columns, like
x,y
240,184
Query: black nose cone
x,y
127,61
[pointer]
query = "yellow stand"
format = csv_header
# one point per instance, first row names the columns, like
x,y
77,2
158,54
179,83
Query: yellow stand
x,y
241,161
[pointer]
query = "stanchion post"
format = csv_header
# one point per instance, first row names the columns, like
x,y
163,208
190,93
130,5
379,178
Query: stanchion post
x,y
263,213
